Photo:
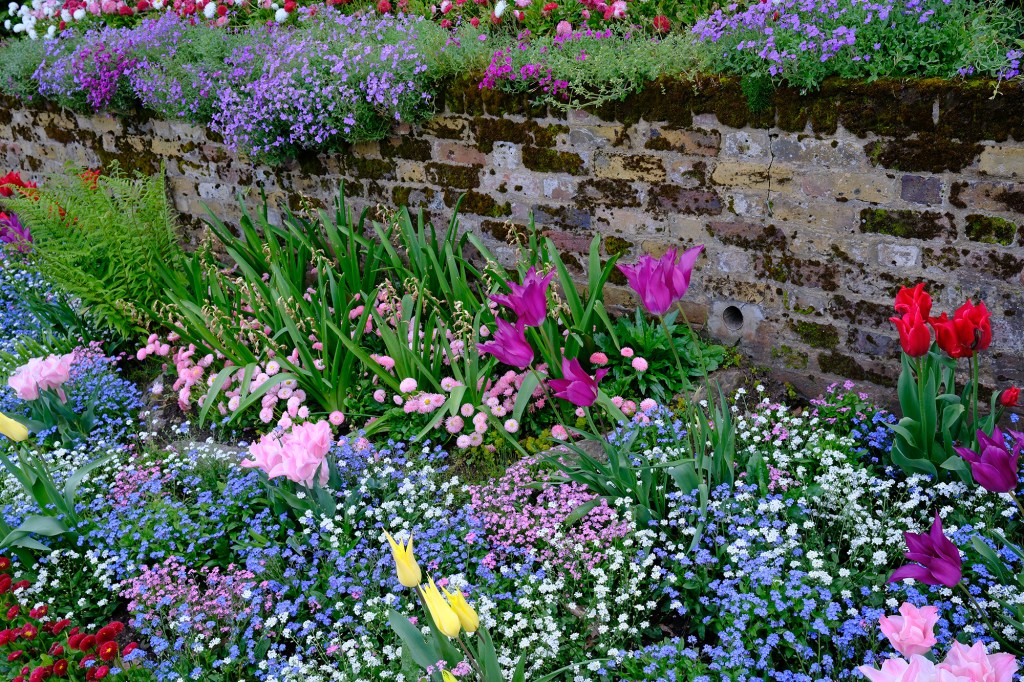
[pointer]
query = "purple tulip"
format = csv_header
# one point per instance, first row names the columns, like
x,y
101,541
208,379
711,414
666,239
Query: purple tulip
x,y
529,300
13,232
937,560
993,466
510,345
578,387
661,282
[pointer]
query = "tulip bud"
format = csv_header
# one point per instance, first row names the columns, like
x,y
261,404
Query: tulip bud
x,y
14,430
409,573
467,616
440,611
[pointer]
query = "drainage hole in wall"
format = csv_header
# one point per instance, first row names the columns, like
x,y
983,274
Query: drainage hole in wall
x,y
733,318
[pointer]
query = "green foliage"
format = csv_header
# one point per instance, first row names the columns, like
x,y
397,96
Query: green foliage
x,y
104,245
19,60
599,68
647,339
758,90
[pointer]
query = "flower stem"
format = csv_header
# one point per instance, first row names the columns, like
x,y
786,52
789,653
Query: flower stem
x,y
1016,501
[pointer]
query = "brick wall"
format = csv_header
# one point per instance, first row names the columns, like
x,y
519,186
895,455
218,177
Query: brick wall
x,y
813,211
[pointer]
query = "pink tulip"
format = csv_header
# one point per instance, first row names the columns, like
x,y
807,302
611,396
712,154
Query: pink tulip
x,y
913,631
918,669
529,300
509,345
577,387
297,456
23,381
660,283
975,664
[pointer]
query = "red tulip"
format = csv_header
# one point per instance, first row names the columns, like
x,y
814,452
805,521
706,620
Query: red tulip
x,y
969,331
1009,397
917,297
915,338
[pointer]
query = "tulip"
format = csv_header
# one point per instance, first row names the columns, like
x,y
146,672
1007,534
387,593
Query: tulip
x,y
969,331
509,345
917,669
14,430
529,300
13,232
660,283
578,387
976,663
936,559
448,677
467,616
912,633
409,573
993,466
440,611
1009,397
908,299
915,338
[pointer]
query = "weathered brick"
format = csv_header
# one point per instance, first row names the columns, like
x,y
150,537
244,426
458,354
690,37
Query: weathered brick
x,y
1004,161
921,190
899,255
988,196
751,175
910,224
876,188
453,152
679,200
629,167
697,141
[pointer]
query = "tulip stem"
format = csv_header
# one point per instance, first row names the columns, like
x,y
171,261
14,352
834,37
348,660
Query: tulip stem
x,y
978,607
547,394
1016,501
472,659
974,394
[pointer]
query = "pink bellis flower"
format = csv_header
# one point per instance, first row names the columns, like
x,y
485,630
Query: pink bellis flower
x,y
529,300
936,559
577,387
993,466
510,345
661,282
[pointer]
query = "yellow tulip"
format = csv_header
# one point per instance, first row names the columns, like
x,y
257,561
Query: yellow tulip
x,y
444,617
14,430
467,616
448,677
408,570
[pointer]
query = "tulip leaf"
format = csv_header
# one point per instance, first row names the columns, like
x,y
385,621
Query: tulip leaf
x,y
530,383
582,510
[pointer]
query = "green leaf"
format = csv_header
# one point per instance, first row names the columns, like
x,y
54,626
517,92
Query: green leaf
x,y
421,651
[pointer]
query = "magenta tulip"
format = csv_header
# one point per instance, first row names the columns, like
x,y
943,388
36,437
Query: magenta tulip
x,y
993,466
578,387
661,282
936,559
529,300
13,232
510,345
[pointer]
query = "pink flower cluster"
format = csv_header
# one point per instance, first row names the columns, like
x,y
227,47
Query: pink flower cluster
x,y
42,374
299,455
912,633
518,515
211,603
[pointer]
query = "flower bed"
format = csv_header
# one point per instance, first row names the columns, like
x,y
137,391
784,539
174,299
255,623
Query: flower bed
x,y
440,469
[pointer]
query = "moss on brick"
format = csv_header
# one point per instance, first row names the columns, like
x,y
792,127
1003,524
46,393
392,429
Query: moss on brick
x,y
406,147
816,335
990,229
476,203
616,246
907,224
846,366
928,152
791,357
606,192
545,160
457,177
